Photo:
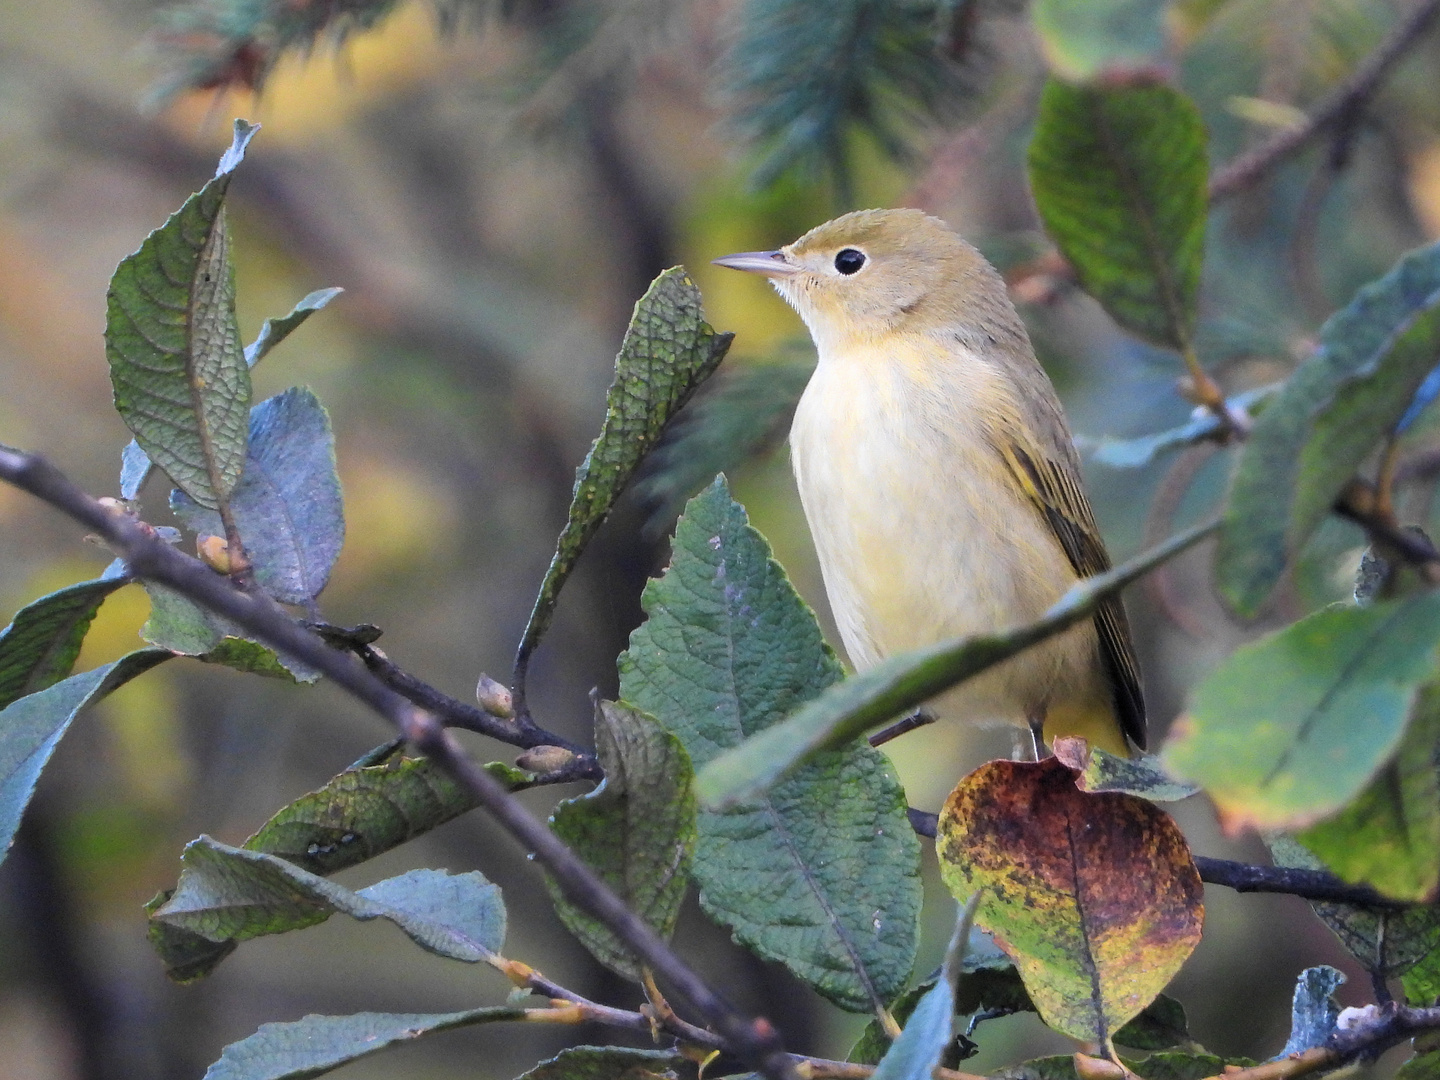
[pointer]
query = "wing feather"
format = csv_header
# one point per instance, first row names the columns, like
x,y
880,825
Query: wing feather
x,y
1055,490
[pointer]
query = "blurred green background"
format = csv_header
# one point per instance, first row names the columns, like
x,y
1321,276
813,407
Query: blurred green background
x,y
493,201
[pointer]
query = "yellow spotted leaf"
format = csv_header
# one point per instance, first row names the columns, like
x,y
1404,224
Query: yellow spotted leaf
x,y
1094,896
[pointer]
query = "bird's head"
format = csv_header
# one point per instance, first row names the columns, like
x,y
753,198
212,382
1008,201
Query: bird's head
x,y
876,272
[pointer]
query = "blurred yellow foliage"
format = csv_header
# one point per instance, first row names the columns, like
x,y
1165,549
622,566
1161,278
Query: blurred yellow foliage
x,y
395,517
306,96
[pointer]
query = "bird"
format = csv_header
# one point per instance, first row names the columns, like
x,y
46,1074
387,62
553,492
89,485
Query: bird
x,y
939,478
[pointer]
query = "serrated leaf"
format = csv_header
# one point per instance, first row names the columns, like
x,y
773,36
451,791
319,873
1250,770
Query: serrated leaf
x,y
40,645
228,894
135,463
1313,1011
1095,897
822,872
606,1063
1387,942
1143,775
364,812
1327,419
367,811
287,506
847,710
1119,176
741,413
34,725
181,382
1389,836
182,626
636,830
1289,729
317,1044
668,351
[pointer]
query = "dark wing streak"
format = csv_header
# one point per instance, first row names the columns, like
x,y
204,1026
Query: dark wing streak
x,y
1058,496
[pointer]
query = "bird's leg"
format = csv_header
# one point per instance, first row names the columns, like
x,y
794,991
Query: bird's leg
x,y
1036,721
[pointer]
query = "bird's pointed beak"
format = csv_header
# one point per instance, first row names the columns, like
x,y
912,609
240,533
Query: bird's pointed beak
x,y
768,263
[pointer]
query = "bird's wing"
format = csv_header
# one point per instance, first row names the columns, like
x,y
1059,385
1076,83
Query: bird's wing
x,y
1055,490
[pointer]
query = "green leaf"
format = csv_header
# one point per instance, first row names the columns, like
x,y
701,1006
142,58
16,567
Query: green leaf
x,y
184,627
637,830
1422,981
668,351
277,330
1100,771
40,645
181,382
317,1044
740,414
1119,176
822,873
1289,729
367,811
1387,942
1161,1026
228,894
1423,1066
849,709
1081,41
287,505
34,725
922,1043
1204,425
1327,419
135,463
1389,836
1314,1012
606,1063
1095,897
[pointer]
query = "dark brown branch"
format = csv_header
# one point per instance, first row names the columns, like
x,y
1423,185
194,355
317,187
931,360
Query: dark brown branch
x,y
917,719
521,732
1248,877
1309,884
1340,106
753,1041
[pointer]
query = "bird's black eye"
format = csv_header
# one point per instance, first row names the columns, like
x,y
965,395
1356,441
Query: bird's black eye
x,y
848,260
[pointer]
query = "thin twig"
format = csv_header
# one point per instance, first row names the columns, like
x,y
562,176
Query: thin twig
x,y
1340,106
1044,280
907,723
1308,884
1248,877
755,1042
457,713
1380,1028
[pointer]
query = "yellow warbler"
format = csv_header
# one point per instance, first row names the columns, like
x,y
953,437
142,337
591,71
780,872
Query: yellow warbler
x,y
939,477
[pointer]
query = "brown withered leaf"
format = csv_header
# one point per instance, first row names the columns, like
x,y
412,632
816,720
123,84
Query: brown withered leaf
x,y
1094,896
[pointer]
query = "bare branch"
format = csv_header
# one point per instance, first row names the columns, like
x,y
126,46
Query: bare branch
x,y
1248,877
1339,107
755,1042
